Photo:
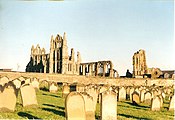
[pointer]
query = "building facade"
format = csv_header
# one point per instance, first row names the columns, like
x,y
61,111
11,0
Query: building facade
x,y
141,70
57,60
139,63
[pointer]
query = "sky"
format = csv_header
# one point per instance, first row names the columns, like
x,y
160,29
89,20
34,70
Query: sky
x,y
99,29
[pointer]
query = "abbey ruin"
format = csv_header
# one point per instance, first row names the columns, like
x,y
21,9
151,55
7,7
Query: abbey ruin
x,y
59,61
84,85
140,68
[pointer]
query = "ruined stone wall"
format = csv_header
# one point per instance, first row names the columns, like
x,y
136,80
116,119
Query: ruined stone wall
x,y
139,63
38,60
90,80
100,68
57,61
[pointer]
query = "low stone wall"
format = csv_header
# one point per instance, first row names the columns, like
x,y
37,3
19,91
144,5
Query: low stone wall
x,y
89,80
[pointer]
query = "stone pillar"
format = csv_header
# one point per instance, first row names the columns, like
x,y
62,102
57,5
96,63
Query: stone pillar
x,y
104,69
84,67
51,55
90,69
56,61
78,63
97,67
111,70
65,56
45,66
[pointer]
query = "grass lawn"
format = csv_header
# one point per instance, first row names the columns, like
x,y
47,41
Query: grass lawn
x,y
51,106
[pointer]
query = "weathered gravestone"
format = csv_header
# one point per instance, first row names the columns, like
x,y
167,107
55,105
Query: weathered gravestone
x,y
35,83
148,97
44,85
122,94
1,88
161,100
131,92
171,105
80,88
155,103
75,106
142,95
92,91
8,98
73,88
27,81
66,90
28,95
17,83
137,90
4,80
135,98
90,113
21,78
103,89
128,93
108,108
163,95
53,87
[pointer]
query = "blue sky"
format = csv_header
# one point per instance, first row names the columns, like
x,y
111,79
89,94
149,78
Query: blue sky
x,y
99,29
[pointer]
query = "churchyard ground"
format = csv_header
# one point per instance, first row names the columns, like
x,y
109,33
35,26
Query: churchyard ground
x,y
51,106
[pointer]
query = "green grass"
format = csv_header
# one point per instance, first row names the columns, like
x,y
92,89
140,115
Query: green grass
x,y
51,106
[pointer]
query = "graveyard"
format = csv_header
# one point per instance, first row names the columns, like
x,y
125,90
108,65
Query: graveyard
x,y
51,104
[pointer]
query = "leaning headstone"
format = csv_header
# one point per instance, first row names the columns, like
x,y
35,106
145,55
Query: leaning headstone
x,y
122,94
53,88
148,97
171,105
75,107
66,90
108,106
28,95
135,98
90,113
155,103
8,98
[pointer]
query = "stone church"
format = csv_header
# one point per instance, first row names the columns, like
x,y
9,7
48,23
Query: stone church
x,y
57,60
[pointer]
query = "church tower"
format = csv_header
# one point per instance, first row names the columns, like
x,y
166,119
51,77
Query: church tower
x,y
51,54
139,63
65,56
